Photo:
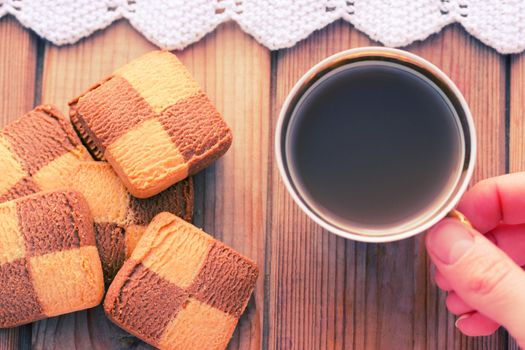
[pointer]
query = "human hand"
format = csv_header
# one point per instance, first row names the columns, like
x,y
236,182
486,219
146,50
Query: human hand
x,y
481,267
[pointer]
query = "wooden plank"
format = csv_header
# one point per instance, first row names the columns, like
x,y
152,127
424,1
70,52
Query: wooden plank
x,y
17,81
516,125
327,292
230,195
517,113
17,69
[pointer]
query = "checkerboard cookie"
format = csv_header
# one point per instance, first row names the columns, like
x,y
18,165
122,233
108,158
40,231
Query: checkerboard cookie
x,y
36,149
49,264
120,219
152,123
42,153
181,289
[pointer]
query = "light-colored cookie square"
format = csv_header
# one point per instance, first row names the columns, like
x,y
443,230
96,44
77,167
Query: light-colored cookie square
x,y
68,280
160,78
198,326
12,244
133,235
153,164
106,195
57,173
175,251
12,171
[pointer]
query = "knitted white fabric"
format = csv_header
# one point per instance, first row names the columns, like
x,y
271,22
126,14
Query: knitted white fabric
x,y
174,24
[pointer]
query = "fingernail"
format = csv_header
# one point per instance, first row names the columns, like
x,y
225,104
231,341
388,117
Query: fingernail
x,y
449,241
461,318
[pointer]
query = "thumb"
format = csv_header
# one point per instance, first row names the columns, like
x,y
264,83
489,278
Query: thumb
x,y
480,273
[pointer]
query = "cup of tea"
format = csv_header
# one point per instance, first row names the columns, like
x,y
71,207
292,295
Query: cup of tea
x,y
375,144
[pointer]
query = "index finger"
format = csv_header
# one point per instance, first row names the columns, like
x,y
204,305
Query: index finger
x,y
496,200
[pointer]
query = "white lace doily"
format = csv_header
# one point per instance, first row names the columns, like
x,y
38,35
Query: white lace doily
x,y
174,24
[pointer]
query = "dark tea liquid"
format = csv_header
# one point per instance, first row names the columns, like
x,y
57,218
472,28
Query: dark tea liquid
x,y
374,144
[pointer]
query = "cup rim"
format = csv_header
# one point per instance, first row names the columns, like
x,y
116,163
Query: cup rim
x,y
450,201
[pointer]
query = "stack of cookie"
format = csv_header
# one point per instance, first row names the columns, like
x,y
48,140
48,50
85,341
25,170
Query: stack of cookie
x,y
113,208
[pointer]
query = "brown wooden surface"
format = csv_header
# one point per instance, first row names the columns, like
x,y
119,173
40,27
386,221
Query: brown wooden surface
x,y
316,291
516,100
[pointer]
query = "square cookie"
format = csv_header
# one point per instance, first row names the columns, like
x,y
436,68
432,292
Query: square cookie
x,y
49,264
152,122
40,151
37,150
121,219
181,288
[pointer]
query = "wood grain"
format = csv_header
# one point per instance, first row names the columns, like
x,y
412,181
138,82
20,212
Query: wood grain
x,y
517,113
329,293
516,124
513,345
18,50
230,196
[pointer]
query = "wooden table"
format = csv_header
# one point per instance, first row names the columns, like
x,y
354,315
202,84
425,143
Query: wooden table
x,y
316,291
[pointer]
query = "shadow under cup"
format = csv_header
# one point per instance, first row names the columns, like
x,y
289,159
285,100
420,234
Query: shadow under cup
x,y
375,144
